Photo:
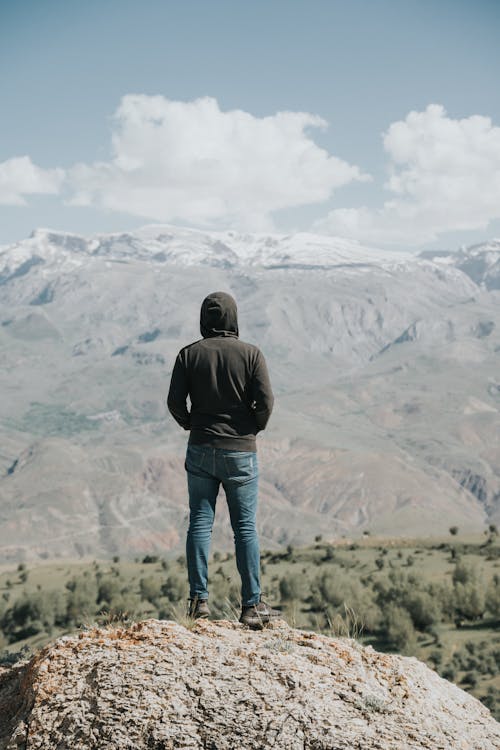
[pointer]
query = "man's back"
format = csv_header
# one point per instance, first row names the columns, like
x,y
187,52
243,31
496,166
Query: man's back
x,y
226,380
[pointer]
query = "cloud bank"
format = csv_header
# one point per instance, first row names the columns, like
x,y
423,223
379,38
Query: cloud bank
x,y
444,175
189,161
20,177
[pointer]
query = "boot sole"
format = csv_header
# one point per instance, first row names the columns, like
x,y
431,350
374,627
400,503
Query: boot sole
x,y
255,625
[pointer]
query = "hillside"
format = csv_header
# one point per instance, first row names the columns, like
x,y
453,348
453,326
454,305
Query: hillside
x,y
384,365
159,685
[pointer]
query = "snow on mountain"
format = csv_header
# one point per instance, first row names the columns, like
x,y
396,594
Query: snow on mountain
x,y
480,262
160,244
164,243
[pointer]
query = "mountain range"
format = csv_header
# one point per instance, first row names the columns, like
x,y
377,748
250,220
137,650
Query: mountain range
x,y
385,367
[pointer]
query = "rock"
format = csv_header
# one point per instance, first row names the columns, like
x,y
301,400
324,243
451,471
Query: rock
x,y
157,685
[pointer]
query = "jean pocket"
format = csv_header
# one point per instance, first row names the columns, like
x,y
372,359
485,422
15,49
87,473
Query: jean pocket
x,y
195,458
241,466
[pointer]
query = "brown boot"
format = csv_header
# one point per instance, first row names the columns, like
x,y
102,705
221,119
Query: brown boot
x,y
257,615
198,608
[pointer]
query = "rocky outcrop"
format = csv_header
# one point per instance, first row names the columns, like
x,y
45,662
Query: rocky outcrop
x,y
217,685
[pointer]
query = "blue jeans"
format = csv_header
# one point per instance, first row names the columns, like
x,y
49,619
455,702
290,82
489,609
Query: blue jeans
x,y
207,468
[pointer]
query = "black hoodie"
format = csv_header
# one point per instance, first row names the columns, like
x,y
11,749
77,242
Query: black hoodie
x,y
226,380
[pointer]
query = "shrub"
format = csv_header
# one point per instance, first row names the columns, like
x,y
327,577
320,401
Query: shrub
x,y
174,589
399,629
31,614
109,588
81,599
470,601
339,590
150,589
290,586
423,609
493,597
470,679
464,573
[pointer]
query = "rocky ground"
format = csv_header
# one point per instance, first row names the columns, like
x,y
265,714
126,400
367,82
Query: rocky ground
x,y
159,685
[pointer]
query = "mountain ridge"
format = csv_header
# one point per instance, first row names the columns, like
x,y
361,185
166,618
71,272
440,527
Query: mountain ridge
x,y
390,366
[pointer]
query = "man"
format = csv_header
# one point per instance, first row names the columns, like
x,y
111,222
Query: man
x,y
231,401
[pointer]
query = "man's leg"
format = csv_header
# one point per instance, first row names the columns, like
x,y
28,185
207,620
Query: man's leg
x,y
203,489
241,488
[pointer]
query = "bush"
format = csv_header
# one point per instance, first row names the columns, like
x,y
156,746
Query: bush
x,y
493,597
32,614
464,573
338,590
423,609
291,586
449,673
109,589
399,629
470,679
470,601
150,589
174,589
81,600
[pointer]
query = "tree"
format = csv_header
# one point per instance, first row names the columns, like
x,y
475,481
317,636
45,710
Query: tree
x,y
453,530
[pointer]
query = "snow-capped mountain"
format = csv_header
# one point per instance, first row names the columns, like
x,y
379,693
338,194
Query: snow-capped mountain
x,y
480,262
169,244
384,365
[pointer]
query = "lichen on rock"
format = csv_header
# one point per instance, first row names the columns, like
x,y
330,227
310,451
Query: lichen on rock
x,y
158,686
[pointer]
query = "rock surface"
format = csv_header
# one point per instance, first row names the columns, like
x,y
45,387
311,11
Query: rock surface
x,y
217,685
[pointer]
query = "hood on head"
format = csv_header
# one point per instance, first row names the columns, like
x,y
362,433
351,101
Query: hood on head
x,y
218,316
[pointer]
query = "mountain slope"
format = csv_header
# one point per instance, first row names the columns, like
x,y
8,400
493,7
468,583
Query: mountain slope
x,y
384,365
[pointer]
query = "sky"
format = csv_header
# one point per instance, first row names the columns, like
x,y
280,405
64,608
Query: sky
x,y
377,120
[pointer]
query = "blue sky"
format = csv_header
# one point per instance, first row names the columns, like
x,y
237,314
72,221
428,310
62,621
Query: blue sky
x,y
91,137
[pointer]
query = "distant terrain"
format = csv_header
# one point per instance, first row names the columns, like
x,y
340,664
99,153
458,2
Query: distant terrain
x,y
386,370
437,599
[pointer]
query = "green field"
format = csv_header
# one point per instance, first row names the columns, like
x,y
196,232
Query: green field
x,y
438,600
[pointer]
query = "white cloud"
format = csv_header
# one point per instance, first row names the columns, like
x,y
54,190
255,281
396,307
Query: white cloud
x,y
444,175
20,177
191,162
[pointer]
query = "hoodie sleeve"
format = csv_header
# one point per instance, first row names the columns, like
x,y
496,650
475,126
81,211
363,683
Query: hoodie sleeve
x,y
178,393
262,394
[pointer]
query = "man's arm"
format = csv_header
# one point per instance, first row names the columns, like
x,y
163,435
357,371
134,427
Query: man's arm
x,y
262,394
178,393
